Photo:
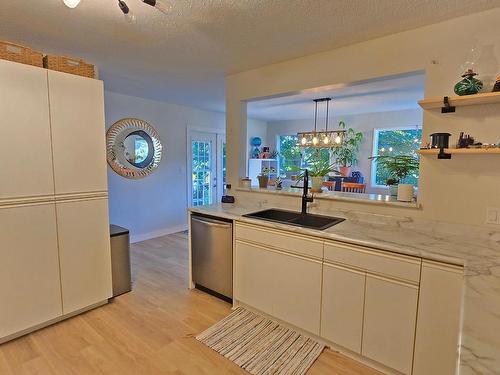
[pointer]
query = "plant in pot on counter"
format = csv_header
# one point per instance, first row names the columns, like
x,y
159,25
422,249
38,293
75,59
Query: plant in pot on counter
x,y
263,177
346,155
319,165
398,169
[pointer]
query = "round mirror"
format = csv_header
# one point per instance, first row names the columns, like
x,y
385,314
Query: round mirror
x,y
133,147
139,149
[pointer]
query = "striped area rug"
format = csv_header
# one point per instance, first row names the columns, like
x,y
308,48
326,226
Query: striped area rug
x,y
261,346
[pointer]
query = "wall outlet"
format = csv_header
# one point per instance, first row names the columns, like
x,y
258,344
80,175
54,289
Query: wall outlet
x,y
493,215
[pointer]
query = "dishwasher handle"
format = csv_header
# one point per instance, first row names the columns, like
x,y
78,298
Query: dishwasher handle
x,y
211,222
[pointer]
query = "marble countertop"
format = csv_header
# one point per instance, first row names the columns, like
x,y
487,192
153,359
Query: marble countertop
x,y
378,199
476,248
438,241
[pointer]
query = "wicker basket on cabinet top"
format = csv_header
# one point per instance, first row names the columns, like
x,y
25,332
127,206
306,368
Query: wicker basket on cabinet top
x,y
69,65
20,54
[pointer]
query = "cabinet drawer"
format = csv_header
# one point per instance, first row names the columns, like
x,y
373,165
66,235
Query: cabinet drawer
x,y
378,262
293,243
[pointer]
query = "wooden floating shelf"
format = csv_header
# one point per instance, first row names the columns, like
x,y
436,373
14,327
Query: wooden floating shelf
x,y
460,101
468,151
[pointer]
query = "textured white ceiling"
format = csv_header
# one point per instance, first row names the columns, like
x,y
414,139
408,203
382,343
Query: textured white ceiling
x,y
382,95
183,57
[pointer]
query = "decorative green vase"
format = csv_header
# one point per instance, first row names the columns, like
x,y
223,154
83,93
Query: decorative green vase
x,y
468,85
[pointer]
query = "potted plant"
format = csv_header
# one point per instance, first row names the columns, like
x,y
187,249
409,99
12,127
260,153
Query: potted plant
x,y
399,167
263,177
319,166
346,155
392,185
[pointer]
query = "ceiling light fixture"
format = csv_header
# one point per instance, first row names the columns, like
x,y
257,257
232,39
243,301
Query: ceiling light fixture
x,y
321,139
71,3
161,5
123,7
129,16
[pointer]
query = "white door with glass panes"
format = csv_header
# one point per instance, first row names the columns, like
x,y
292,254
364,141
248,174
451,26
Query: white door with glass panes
x,y
206,163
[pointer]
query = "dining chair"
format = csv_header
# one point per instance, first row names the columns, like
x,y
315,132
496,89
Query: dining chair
x,y
352,187
330,185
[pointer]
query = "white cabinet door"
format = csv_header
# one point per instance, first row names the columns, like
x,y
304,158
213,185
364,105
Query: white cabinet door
x,y
30,290
285,286
78,133
254,273
436,344
389,322
297,291
84,247
25,154
342,308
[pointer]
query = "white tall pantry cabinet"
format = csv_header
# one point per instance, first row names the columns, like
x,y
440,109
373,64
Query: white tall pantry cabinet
x,y
54,232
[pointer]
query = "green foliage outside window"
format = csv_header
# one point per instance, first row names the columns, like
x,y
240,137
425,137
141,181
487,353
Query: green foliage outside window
x,y
293,158
397,142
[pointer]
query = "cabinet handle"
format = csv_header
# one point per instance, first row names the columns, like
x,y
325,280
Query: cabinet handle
x,y
211,223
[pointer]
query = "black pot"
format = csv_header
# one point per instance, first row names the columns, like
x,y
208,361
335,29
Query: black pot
x,y
440,140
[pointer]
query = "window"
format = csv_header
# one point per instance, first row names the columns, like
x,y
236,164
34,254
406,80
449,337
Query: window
x,y
201,173
292,157
402,141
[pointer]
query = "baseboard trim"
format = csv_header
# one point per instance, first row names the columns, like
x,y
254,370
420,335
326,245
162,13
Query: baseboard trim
x,y
157,233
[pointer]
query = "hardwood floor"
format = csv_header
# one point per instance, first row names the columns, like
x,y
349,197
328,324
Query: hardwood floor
x,y
147,331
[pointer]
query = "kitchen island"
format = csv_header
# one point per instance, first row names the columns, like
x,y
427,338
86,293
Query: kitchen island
x,y
475,251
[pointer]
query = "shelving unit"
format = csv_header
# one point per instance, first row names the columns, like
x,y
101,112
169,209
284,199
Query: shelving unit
x,y
255,167
461,101
463,151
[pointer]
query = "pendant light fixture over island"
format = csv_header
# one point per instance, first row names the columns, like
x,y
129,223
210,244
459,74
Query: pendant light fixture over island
x,y
323,138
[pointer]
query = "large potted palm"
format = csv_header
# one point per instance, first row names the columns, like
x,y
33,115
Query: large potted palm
x,y
346,155
398,169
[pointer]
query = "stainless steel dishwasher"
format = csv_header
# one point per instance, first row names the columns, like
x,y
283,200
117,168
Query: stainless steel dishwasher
x,y
212,255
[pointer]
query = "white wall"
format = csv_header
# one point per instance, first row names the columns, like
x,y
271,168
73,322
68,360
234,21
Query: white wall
x,y
365,123
155,205
456,190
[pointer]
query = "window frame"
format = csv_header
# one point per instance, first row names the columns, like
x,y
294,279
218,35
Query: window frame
x,y
373,167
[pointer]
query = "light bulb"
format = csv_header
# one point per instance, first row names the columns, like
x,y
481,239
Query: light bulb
x,y
338,139
390,149
315,140
326,140
303,141
71,3
382,149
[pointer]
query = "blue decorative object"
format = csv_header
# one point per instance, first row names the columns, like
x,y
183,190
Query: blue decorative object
x,y
255,142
